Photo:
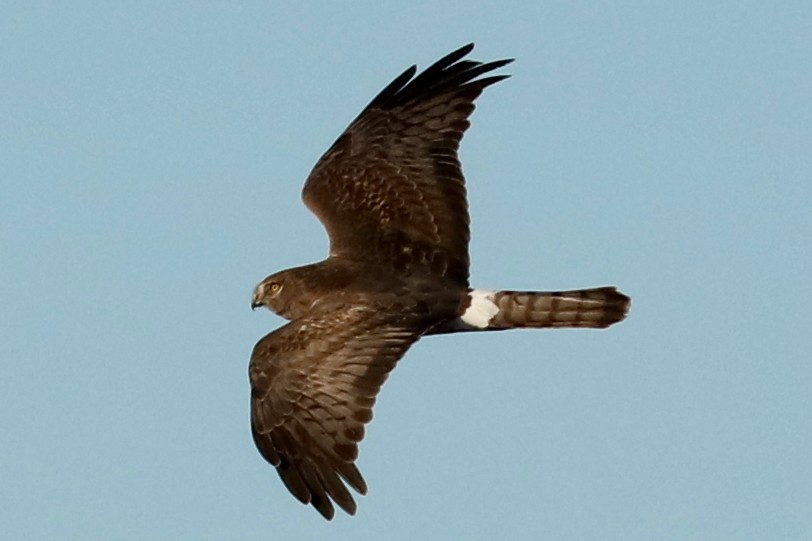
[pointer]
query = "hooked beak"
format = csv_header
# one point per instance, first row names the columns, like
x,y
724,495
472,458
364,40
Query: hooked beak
x,y
255,304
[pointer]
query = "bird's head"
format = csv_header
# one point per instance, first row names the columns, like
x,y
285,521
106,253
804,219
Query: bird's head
x,y
270,294
292,293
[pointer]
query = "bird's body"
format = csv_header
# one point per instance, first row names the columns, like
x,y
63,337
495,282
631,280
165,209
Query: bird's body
x,y
392,197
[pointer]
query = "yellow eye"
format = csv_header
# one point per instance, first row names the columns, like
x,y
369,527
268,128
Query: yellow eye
x,y
275,287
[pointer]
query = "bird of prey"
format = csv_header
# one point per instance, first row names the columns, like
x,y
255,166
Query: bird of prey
x,y
391,195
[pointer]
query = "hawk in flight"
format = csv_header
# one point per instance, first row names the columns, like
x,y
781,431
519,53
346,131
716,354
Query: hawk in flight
x,y
391,194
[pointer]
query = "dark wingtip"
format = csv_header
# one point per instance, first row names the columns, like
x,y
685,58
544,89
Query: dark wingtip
x,y
327,512
448,73
453,56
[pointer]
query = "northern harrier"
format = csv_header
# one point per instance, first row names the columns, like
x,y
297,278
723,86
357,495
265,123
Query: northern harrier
x,y
391,194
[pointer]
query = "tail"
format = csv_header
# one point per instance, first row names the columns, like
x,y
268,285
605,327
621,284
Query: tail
x,y
595,308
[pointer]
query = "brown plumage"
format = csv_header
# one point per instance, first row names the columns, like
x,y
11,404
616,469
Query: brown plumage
x,y
391,195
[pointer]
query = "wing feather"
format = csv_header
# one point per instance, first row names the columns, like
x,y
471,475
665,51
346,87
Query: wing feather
x,y
391,188
314,382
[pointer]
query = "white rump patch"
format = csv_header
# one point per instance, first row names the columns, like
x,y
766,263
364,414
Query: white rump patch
x,y
482,309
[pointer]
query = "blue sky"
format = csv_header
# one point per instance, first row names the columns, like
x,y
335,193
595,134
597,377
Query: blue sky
x,y
152,156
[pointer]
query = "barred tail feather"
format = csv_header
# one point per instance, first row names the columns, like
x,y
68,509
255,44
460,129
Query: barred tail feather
x,y
589,308
595,308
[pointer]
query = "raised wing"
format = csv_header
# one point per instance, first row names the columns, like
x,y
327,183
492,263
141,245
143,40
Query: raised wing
x,y
313,385
391,189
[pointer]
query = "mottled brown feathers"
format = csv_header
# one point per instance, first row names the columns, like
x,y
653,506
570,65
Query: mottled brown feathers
x,y
390,190
391,195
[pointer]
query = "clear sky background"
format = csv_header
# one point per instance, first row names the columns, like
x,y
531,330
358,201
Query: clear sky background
x,y
151,158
